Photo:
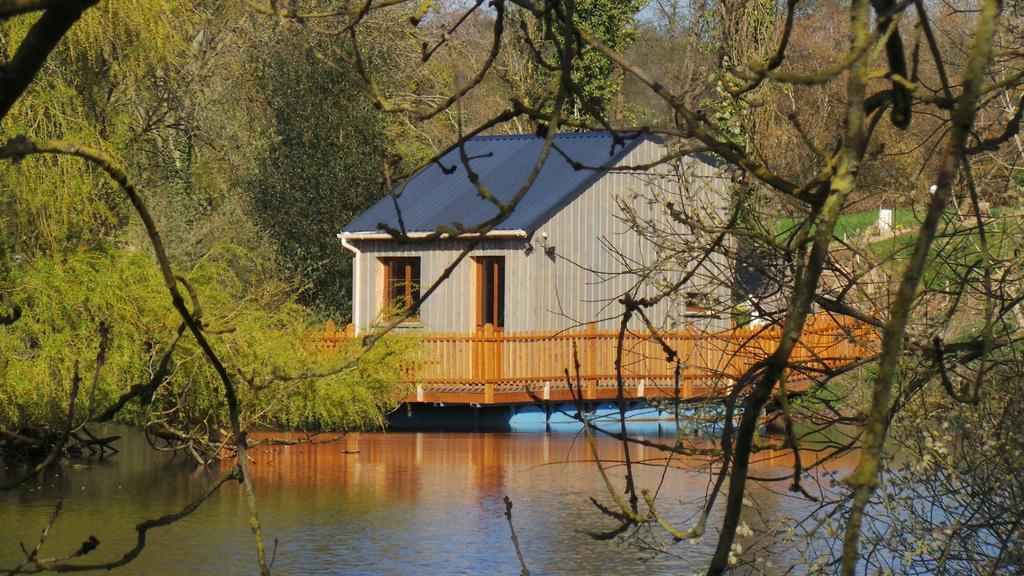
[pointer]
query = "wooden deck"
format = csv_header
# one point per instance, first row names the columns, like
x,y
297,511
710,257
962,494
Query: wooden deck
x,y
494,367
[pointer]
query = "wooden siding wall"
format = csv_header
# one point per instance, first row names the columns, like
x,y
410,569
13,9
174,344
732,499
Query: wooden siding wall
x,y
586,235
549,292
452,307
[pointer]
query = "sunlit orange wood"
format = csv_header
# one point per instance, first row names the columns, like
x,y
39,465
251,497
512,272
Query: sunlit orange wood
x,y
492,366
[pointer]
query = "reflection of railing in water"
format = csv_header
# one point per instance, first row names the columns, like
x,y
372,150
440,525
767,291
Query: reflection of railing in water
x,y
495,367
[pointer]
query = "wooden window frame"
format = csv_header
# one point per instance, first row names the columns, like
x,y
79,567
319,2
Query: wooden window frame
x,y
413,273
692,305
498,301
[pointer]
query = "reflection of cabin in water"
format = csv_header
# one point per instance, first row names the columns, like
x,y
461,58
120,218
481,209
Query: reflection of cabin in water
x,y
557,262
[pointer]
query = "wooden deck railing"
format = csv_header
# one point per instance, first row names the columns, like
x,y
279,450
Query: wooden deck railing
x,y
493,366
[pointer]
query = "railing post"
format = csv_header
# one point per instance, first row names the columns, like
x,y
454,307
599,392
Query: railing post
x,y
591,389
591,365
327,342
476,356
590,373
490,359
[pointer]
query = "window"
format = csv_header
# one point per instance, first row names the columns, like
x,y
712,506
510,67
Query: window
x,y
695,302
401,284
490,291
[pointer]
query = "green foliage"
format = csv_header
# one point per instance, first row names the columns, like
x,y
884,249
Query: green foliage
x,y
596,81
259,334
728,113
738,36
154,84
956,252
146,81
323,169
849,393
596,78
93,90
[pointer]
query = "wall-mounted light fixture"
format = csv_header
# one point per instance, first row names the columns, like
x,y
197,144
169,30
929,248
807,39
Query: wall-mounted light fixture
x,y
548,248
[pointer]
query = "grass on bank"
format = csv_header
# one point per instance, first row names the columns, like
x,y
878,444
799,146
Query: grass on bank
x,y
853,223
957,249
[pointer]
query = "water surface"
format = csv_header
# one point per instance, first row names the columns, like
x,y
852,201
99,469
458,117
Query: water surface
x,y
377,503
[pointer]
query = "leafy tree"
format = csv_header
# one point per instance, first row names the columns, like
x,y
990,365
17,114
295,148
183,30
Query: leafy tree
x,y
597,79
120,134
71,299
321,170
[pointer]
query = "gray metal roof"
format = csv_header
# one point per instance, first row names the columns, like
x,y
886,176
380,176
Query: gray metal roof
x,y
441,194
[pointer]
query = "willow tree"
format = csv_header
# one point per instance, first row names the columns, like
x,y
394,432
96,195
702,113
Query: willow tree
x,y
133,282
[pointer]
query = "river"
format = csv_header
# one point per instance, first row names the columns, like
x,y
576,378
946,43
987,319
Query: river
x,y
380,503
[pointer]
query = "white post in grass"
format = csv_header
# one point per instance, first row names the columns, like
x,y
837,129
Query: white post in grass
x,y
884,220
